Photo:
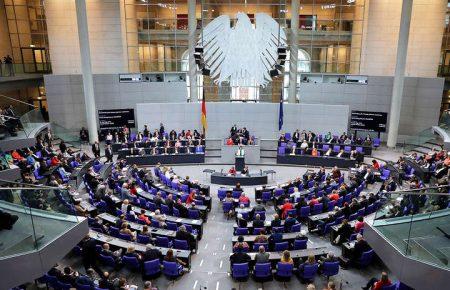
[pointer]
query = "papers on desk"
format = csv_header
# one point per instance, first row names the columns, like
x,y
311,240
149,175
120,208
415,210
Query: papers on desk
x,y
178,220
351,244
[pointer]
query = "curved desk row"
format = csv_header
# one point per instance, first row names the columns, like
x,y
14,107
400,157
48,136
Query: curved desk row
x,y
160,143
166,159
222,178
316,161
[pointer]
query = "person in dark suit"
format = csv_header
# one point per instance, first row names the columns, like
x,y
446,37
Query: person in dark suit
x,y
258,223
242,223
343,233
89,255
182,234
238,187
96,149
62,147
239,257
289,222
361,246
108,153
161,129
68,276
276,222
151,254
233,130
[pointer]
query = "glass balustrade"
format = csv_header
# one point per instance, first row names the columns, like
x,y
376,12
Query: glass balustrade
x,y
31,121
417,223
70,137
32,217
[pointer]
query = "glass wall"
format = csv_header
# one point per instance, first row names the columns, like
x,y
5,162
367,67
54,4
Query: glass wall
x,y
330,34
28,33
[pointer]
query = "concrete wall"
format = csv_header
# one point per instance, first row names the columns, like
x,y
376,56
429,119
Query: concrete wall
x,y
105,36
66,101
380,38
261,119
421,99
420,110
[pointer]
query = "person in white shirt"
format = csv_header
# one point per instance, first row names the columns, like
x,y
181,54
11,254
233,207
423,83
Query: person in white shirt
x,y
296,194
109,138
124,205
304,145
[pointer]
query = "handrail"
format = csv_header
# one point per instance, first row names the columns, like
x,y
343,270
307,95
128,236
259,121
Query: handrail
x,y
27,184
10,98
417,191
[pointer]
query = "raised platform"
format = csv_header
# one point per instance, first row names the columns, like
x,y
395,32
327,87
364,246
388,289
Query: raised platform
x,y
316,161
252,153
224,179
166,159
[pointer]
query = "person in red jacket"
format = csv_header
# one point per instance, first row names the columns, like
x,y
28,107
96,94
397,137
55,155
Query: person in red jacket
x,y
243,198
285,208
376,284
190,198
359,225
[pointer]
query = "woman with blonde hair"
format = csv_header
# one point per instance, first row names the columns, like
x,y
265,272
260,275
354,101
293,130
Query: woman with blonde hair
x,y
286,258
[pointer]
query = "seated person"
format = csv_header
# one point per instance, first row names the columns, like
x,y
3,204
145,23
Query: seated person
x,y
343,233
239,256
360,247
241,222
376,284
107,252
132,253
285,208
184,235
86,280
144,218
240,245
151,254
126,231
262,256
261,238
169,257
232,171
258,222
286,258
244,199
289,222
245,171
310,261
276,222
329,258
68,276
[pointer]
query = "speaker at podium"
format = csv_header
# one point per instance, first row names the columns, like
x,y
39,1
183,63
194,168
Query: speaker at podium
x,y
239,161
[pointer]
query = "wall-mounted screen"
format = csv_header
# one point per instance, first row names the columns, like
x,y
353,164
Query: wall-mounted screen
x,y
368,121
115,119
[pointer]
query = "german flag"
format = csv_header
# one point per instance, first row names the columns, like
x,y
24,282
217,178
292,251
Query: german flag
x,y
204,123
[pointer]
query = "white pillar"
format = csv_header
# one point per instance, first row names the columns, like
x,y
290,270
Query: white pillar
x,y
399,78
192,27
293,60
86,70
